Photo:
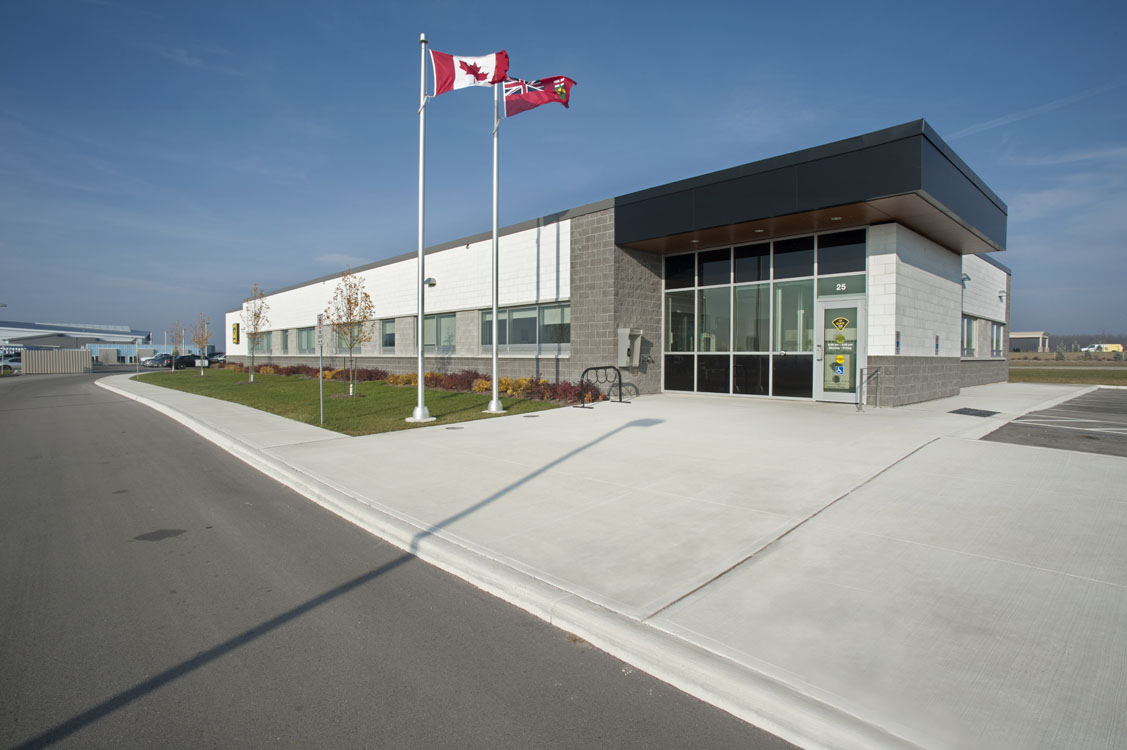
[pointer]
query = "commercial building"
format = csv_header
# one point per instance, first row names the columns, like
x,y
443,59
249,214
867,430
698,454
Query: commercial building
x,y
801,276
108,343
1029,341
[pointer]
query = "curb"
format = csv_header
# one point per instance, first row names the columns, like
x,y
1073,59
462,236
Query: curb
x,y
751,696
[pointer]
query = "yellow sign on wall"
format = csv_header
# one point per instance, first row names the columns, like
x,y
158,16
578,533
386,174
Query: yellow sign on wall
x,y
234,333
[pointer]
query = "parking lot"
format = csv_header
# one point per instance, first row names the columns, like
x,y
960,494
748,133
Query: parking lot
x,y
1094,423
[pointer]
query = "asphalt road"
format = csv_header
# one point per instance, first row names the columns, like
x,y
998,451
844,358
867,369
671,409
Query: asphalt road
x,y
1094,423
156,592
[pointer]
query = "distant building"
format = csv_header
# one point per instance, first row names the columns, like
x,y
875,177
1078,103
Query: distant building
x,y
14,334
1035,341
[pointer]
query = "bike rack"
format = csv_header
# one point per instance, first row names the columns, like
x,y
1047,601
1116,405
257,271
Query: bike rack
x,y
608,374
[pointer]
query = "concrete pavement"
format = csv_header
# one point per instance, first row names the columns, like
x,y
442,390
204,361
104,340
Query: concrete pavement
x,y
842,579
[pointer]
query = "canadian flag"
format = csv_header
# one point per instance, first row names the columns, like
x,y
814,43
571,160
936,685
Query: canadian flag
x,y
453,72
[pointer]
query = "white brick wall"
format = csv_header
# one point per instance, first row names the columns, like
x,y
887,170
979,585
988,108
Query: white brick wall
x,y
914,288
981,298
534,267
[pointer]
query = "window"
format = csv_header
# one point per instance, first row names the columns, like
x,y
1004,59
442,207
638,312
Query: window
x,y
794,316
968,336
529,330
715,306
343,338
679,271
714,267
387,336
522,330
502,329
841,252
997,340
679,322
439,333
285,336
753,318
794,258
753,263
262,342
306,341
555,329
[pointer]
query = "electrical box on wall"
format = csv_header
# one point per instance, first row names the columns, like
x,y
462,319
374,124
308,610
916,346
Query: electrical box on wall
x,y
629,347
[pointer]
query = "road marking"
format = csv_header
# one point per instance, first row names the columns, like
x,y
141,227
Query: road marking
x,y
1104,430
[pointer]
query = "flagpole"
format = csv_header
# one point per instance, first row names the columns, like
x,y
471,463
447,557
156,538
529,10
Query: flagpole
x,y
421,414
495,405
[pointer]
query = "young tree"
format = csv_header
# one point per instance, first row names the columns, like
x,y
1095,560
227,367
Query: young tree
x,y
255,320
350,312
201,335
178,334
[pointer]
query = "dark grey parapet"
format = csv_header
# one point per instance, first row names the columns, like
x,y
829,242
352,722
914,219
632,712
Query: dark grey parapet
x,y
953,207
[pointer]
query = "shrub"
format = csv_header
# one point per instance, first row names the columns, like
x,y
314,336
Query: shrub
x,y
565,392
461,381
482,385
403,380
368,375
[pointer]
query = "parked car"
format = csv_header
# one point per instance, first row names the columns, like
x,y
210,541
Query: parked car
x,y
11,362
217,358
186,361
158,360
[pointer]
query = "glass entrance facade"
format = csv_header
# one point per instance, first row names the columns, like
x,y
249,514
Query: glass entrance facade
x,y
741,319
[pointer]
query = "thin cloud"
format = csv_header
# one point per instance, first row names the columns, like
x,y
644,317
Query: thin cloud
x,y
183,57
1113,153
1027,113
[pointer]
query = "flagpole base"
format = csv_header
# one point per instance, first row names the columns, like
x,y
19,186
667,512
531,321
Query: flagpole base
x,y
420,414
494,407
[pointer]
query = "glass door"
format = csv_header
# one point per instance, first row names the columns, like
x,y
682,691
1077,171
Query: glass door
x,y
840,351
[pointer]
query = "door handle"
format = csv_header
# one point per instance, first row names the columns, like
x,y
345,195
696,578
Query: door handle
x,y
819,350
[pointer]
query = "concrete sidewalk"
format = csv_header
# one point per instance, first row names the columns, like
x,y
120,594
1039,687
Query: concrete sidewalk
x,y
842,579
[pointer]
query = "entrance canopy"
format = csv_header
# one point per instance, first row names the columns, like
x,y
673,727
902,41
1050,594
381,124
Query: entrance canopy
x,y
904,174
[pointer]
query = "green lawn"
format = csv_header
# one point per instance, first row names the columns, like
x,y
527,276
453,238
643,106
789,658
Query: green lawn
x,y
1072,375
383,408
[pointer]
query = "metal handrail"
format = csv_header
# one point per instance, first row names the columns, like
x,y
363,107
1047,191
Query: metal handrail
x,y
875,374
603,374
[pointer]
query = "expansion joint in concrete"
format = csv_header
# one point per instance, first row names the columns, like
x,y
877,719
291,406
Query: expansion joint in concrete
x,y
785,532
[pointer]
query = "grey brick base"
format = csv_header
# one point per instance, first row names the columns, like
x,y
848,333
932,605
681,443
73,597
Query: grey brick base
x,y
983,371
909,380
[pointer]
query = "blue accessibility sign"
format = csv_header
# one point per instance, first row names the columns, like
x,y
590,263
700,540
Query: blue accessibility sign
x,y
839,369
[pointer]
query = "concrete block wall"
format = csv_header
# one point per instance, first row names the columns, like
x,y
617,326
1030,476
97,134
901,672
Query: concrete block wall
x,y
981,372
637,304
592,282
613,288
909,380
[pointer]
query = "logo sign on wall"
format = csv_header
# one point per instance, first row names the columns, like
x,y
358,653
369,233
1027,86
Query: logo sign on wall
x,y
234,333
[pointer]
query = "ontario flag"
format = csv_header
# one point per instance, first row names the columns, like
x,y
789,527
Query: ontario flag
x,y
453,72
521,96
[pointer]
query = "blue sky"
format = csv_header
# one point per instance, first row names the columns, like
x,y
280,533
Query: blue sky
x,y
157,157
